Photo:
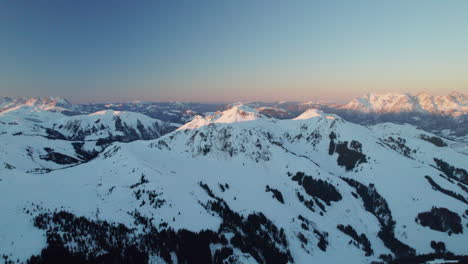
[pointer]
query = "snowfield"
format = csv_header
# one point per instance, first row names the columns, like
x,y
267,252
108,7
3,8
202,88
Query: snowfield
x,y
236,186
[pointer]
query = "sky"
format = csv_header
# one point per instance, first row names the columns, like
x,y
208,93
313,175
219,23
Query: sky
x,y
231,50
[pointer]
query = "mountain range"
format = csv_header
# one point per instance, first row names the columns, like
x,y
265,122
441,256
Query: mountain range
x,y
239,183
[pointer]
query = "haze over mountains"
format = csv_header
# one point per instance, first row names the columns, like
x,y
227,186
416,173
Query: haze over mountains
x,y
381,179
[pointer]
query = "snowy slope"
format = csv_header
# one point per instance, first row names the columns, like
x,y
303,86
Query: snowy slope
x,y
237,175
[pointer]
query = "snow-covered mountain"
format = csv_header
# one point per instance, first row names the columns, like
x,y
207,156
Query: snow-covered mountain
x,y
446,116
453,104
39,140
103,125
237,113
111,126
45,103
238,186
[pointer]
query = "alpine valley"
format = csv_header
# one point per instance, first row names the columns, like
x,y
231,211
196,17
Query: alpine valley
x,y
381,179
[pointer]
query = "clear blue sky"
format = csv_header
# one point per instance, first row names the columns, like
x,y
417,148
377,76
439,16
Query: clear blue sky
x,y
186,50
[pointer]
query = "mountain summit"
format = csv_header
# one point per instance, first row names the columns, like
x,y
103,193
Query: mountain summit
x,y
311,113
235,114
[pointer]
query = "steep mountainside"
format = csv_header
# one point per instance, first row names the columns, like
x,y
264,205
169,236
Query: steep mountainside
x,y
240,187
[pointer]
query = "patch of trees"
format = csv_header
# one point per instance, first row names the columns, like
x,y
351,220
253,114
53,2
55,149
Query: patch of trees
x,y
323,241
53,134
358,239
110,152
439,247
161,144
84,154
348,157
59,158
376,205
450,193
302,238
72,239
207,190
153,199
223,187
438,142
441,219
399,145
276,194
451,171
321,236
254,234
332,146
317,188
308,203
152,195
9,166
104,142
142,181
462,187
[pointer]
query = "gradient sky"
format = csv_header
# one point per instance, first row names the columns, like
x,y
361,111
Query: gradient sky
x,y
232,50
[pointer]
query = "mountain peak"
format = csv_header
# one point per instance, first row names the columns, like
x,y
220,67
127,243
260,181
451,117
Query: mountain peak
x,y
108,112
312,113
237,113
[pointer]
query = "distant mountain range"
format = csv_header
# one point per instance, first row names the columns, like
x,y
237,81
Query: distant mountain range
x,y
446,116
455,104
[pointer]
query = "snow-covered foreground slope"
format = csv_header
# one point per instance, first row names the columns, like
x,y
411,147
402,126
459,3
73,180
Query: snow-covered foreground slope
x,y
238,187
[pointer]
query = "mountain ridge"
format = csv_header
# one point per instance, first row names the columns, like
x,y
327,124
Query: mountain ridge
x,y
454,104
